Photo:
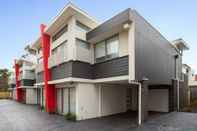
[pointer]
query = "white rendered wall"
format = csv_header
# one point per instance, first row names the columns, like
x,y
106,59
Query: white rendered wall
x,y
158,100
113,99
123,46
31,96
14,94
87,101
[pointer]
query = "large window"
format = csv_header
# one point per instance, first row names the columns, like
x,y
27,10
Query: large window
x,y
60,33
82,27
59,49
82,44
107,49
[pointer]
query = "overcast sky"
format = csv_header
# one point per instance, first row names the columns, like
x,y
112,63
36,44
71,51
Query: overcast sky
x,y
20,20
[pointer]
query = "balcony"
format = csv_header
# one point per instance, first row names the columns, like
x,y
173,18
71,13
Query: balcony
x,y
29,74
57,59
39,67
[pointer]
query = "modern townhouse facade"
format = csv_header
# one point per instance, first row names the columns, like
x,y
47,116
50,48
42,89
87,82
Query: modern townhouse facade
x,y
25,80
94,70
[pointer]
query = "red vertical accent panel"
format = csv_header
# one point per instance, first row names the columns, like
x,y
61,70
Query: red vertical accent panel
x,y
49,89
18,90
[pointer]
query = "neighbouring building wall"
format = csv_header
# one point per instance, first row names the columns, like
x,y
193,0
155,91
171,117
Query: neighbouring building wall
x,y
154,54
113,99
87,101
31,96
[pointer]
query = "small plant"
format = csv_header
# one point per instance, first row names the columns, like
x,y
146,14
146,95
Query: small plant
x,y
70,116
42,108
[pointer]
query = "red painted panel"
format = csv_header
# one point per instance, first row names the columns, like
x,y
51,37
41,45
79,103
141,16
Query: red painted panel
x,y
49,89
18,90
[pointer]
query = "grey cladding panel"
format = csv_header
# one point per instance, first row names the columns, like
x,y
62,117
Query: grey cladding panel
x,y
82,70
154,54
115,67
78,69
111,24
62,71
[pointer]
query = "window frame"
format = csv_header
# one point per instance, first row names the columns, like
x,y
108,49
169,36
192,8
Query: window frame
x,y
57,48
85,42
107,56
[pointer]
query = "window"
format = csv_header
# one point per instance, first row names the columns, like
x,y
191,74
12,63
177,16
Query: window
x,y
107,49
112,46
59,49
82,27
83,44
100,50
60,33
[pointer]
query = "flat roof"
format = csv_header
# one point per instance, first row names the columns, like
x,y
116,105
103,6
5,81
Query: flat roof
x,y
69,10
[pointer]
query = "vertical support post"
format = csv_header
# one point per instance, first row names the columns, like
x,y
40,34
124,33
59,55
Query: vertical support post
x,y
100,100
140,104
178,96
49,89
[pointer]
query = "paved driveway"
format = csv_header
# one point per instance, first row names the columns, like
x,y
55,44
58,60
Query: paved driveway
x,y
19,117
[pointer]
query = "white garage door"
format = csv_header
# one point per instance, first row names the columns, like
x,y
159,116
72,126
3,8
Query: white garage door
x,y
113,99
158,100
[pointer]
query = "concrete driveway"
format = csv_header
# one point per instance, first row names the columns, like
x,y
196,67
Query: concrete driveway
x,y
20,117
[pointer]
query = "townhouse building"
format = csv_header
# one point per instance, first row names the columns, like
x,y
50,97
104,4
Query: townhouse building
x,y
93,69
25,80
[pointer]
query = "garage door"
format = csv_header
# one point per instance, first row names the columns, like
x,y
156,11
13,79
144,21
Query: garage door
x,y
158,100
113,99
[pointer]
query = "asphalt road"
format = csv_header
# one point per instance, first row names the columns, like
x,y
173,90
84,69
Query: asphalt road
x,y
20,117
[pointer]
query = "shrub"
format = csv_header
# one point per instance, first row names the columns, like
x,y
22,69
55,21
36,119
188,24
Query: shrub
x,y
70,116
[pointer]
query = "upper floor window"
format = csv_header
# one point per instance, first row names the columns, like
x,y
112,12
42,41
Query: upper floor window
x,y
107,49
59,49
60,33
83,44
82,27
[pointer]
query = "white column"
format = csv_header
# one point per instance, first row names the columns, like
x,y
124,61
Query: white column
x,y
71,46
131,51
100,100
178,95
140,105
